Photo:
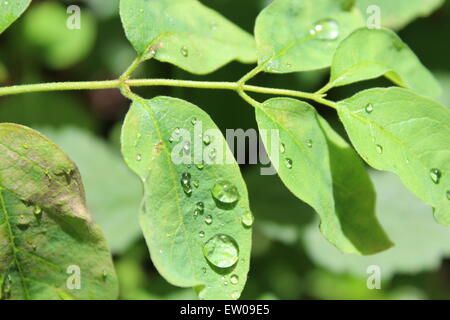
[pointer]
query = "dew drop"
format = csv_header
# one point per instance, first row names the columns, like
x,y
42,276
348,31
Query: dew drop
x,y
282,148
37,211
369,108
201,234
247,219
187,148
208,219
186,183
200,207
309,143
379,149
212,154
225,192
184,52
206,139
435,175
200,166
327,29
196,183
204,270
288,163
194,121
221,250
139,157
234,279
448,194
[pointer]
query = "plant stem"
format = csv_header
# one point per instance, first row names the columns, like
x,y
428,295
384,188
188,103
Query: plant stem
x,y
119,84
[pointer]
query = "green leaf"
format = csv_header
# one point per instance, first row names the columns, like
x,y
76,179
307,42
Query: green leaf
x,y
396,130
420,243
185,33
45,229
177,235
113,199
370,53
319,167
10,11
284,36
396,14
45,27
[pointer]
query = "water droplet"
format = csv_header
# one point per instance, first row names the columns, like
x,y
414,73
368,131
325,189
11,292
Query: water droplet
x,y
225,283
221,250
247,219
104,275
235,295
201,234
184,52
225,192
435,175
309,143
282,148
186,183
139,157
369,108
187,148
200,207
206,139
200,166
212,154
379,148
196,183
204,270
208,219
194,121
288,163
448,194
234,279
327,29
37,210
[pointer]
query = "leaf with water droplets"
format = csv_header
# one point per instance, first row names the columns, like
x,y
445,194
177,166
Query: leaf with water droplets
x,y
189,232
370,53
413,132
10,10
185,33
45,227
328,176
300,35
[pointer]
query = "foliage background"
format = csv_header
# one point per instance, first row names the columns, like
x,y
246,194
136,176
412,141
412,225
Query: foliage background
x,y
290,259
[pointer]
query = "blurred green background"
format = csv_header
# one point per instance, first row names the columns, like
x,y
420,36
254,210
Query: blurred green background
x,y
290,259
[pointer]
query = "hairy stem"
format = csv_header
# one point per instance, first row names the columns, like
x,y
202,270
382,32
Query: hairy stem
x,y
121,83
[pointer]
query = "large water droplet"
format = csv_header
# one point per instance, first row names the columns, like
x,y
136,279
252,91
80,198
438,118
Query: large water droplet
x,y
247,219
184,51
288,163
221,250
435,175
369,108
225,192
327,29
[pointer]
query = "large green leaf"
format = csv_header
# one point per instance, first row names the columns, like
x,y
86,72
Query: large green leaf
x,y
320,168
420,243
185,33
396,14
180,233
113,192
284,36
397,130
10,11
46,232
370,53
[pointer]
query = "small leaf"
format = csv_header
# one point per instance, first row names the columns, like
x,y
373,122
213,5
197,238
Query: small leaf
x,y
47,236
192,216
396,14
185,33
370,53
397,130
301,35
10,10
318,166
